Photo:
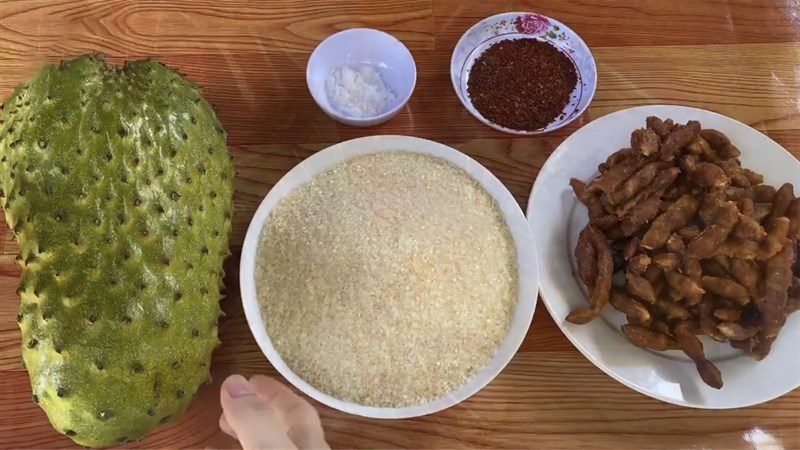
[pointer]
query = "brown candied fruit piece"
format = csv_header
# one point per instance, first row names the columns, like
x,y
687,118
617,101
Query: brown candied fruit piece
x,y
674,218
661,127
646,141
677,139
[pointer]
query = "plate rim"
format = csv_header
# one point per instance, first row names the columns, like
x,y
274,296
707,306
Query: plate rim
x,y
560,323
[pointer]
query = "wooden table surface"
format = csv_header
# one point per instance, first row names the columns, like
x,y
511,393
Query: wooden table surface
x,y
739,58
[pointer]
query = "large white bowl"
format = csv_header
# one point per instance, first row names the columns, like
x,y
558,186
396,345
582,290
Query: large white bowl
x,y
324,160
356,47
556,218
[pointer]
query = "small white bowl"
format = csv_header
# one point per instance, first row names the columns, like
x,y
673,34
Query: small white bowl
x,y
528,271
356,47
523,25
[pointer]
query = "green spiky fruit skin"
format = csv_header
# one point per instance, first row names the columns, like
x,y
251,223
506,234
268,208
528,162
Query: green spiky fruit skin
x,y
118,186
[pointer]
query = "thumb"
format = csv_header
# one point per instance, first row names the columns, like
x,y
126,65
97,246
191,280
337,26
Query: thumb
x,y
255,424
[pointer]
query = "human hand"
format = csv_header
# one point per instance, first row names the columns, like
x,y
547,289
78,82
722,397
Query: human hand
x,y
264,414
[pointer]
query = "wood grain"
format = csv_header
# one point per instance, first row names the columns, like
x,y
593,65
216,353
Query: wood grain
x,y
738,58
749,82
641,23
131,27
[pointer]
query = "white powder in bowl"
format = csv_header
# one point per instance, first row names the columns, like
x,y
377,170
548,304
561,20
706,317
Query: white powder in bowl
x,y
389,280
358,92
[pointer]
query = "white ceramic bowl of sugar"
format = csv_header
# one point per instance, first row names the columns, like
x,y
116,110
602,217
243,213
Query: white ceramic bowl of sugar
x,y
324,160
355,48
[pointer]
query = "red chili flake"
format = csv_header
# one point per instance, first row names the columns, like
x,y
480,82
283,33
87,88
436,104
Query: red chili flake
x,y
522,84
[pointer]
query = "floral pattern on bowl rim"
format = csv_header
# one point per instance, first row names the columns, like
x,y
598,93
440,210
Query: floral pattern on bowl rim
x,y
524,25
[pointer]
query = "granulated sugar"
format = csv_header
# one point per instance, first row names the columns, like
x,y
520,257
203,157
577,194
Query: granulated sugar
x,y
389,280
358,91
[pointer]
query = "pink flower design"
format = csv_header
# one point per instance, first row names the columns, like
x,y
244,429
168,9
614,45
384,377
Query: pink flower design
x,y
531,24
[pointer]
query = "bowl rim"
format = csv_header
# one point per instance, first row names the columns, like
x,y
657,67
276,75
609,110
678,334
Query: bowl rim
x,y
591,88
382,117
527,268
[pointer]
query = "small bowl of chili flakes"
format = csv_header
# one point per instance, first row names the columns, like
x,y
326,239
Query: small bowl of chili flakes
x,y
523,73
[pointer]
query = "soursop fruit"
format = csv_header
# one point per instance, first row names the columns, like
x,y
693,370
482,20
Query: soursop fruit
x,y
118,185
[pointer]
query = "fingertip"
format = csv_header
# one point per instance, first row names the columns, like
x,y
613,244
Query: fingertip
x,y
263,379
269,389
237,386
264,382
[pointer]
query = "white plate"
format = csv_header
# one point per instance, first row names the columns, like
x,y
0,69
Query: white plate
x,y
556,217
324,160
